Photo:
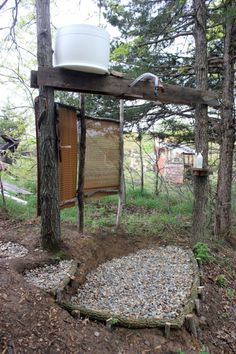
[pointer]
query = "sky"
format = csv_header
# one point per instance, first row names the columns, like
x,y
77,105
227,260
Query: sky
x,y
79,11
72,11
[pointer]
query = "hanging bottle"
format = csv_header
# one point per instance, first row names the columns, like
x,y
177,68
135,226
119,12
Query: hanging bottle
x,y
199,163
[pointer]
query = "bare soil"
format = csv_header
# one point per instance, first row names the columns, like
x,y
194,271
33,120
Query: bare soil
x,y
32,322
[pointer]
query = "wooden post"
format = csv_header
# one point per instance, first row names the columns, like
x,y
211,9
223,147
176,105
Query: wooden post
x,y
201,292
109,324
197,307
48,158
167,329
2,190
191,325
82,150
121,166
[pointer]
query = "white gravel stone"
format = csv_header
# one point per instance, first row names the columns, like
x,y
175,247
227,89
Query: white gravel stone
x,y
152,283
10,250
50,276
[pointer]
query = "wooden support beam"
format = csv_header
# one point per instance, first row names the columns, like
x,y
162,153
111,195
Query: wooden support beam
x,y
82,151
69,80
121,166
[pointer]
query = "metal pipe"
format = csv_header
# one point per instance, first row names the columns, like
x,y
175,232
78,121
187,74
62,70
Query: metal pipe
x,y
147,76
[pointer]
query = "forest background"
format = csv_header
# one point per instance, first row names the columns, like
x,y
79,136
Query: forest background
x,y
162,37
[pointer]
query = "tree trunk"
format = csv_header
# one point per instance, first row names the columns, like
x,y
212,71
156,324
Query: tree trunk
x,y
50,212
82,151
223,201
199,228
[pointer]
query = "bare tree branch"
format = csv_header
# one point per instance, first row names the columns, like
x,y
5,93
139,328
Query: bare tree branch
x,y
3,4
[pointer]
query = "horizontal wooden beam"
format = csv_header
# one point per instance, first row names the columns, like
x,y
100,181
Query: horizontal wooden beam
x,y
75,81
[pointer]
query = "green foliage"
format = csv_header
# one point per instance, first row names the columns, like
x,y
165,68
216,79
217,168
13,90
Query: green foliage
x,y
202,251
20,211
61,255
230,293
22,172
220,280
97,106
143,214
12,122
120,52
114,321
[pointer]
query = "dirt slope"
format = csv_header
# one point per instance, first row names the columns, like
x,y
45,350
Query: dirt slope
x,y
32,322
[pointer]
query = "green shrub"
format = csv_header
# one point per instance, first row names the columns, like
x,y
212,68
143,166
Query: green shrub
x,y
220,280
230,293
202,251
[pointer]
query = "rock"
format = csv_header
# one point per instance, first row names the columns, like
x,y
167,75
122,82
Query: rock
x,y
49,277
152,283
10,250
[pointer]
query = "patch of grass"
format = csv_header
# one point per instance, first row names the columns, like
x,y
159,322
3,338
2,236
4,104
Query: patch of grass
x,y
202,251
220,280
22,172
61,255
98,213
183,207
70,215
144,213
230,293
139,224
145,199
20,211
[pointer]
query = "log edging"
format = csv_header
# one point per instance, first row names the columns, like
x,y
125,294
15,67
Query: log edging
x,y
141,322
66,279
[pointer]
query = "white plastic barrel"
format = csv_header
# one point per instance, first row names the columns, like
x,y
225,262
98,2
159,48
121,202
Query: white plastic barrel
x,y
82,47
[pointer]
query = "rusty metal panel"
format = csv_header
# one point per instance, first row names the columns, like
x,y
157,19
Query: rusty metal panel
x,y
102,157
101,161
67,151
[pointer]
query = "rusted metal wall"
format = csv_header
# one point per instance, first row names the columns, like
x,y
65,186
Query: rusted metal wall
x,y
67,153
101,161
102,157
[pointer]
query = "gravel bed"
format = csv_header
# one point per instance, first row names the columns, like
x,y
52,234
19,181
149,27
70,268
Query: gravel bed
x,y
152,283
10,250
49,277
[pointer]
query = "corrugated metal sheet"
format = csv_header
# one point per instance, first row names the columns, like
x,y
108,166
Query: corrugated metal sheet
x,y
67,149
102,157
101,160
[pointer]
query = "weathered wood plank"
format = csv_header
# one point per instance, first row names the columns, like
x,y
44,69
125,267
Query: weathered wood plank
x,y
69,80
